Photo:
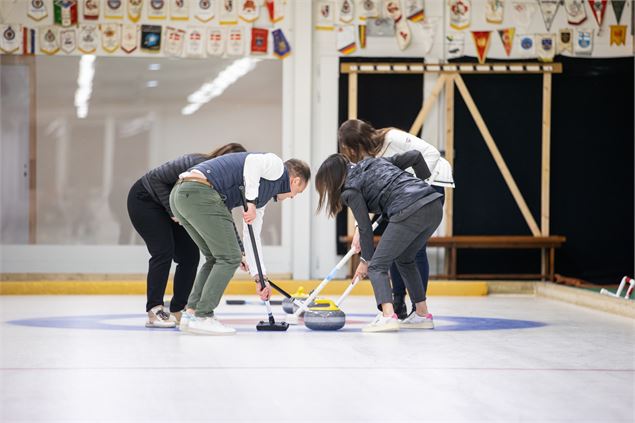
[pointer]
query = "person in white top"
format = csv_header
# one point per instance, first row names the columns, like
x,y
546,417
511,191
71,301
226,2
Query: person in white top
x,y
358,139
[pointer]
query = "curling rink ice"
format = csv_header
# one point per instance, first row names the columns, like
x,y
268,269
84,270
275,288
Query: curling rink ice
x,y
495,358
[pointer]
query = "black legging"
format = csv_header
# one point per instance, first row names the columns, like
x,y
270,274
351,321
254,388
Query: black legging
x,y
166,241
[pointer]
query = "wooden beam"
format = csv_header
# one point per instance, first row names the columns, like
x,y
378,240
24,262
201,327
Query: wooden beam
x,y
498,158
449,152
546,154
32,152
421,68
427,105
352,95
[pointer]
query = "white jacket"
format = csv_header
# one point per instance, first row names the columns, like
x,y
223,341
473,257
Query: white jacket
x,y
398,142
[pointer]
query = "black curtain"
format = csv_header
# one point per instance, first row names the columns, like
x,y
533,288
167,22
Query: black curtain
x,y
592,180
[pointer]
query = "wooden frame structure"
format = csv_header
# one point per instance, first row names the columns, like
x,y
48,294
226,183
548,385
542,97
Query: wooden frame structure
x,y
449,78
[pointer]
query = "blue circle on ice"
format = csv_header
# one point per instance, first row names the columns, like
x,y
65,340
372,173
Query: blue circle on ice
x,y
105,322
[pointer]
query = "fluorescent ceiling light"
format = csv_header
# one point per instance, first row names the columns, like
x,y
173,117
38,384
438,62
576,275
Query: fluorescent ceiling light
x,y
225,78
152,84
84,84
154,66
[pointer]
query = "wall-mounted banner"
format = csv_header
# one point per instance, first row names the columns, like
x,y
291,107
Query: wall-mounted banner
x,y
90,10
134,10
195,42
65,13
236,42
618,35
28,41
179,10
361,35
10,37
49,40
481,43
204,10
68,40
507,38
151,38
380,27
87,38
325,15
368,9
259,40
174,40
546,46
460,13
429,30
346,39
415,10
549,9
129,37
527,45
37,10
523,13
565,41
110,37
598,8
403,35
157,9
281,47
248,10
113,9
454,45
228,13
494,11
276,10
583,43
618,8
346,10
576,13
215,41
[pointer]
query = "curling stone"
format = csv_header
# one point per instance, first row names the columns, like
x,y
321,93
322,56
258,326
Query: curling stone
x,y
324,315
287,303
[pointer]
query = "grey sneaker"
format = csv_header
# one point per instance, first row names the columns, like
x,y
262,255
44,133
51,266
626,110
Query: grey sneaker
x,y
158,318
414,321
383,324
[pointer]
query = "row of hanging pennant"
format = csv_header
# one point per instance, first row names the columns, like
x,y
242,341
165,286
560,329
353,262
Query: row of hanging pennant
x,y
68,13
388,18
192,42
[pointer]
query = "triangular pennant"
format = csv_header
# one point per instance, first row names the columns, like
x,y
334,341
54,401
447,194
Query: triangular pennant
x,y
598,8
549,9
507,38
618,8
576,13
481,42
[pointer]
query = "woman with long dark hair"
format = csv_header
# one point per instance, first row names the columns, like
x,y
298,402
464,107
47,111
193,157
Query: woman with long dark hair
x,y
413,210
151,216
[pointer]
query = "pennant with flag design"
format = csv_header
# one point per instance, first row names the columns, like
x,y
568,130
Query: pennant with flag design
x,y
598,8
618,8
507,38
481,43
618,35
281,47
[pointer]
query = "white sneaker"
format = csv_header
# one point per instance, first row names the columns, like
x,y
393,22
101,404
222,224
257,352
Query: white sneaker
x,y
158,318
186,319
209,326
414,321
383,324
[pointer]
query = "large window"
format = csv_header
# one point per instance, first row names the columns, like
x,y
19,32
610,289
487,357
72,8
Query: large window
x,y
135,119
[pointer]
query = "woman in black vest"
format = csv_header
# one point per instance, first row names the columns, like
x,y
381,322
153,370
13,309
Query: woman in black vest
x,y
151,216
413,210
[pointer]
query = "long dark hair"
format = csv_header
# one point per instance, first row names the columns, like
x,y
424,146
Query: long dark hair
x,y
329,181
232,147
358,138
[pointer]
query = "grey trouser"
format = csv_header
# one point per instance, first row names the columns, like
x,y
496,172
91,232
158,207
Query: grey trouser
x,y
400,243
205,217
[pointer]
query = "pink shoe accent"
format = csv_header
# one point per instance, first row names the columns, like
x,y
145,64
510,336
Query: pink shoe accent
x,y
394,316
429,316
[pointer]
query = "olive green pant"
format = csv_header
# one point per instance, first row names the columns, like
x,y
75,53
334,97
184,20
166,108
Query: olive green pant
x,y
209,223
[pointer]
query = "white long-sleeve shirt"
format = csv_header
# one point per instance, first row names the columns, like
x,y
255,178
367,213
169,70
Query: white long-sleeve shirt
x,y
398,142
267,166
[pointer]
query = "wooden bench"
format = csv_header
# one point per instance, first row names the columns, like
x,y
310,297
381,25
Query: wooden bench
x,y
547,245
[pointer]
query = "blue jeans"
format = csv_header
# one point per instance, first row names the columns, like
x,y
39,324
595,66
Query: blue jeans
x,y
421,259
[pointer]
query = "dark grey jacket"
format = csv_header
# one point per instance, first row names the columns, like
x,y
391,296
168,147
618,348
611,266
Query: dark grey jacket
x,y
381,185
160,180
